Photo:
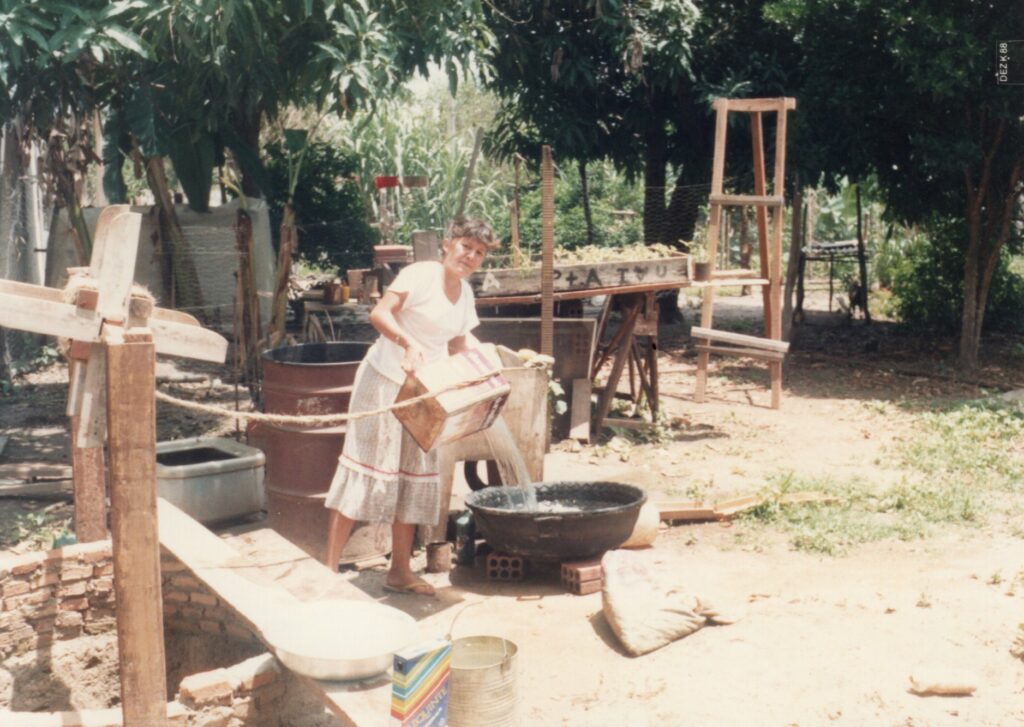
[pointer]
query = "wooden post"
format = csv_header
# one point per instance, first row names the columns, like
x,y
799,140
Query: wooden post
x,y
517,254
794,268
88,473
862,261
131,426
757,137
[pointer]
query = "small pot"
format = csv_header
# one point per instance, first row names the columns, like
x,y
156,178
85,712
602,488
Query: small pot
x,y
333,294
439,557
702,271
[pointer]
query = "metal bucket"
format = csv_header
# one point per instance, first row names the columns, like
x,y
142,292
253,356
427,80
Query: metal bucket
x,y
482,690
309,379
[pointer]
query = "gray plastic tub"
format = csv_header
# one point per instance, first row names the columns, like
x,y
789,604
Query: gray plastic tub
x,y
210,478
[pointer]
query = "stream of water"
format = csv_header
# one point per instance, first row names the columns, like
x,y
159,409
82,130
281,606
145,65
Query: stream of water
x,y
511,467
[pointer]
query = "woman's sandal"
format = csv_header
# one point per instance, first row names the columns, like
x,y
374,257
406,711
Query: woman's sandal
x,y
416,588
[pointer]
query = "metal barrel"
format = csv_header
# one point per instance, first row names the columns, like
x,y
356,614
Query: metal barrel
x,y
309,379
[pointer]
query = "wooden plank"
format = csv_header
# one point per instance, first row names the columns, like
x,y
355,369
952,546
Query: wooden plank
x,y
692,510
11,488
131,366
173,338
113,260
34,471
579,410
587,278
27,290
736,505
750,352
759,104
48,317
730,282
744,200
757,142
524,298
739,339
574,340
92,417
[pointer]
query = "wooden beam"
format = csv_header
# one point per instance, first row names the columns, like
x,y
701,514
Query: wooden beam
x,y
131,409
749,352
739,339
49,318
757,104
744,200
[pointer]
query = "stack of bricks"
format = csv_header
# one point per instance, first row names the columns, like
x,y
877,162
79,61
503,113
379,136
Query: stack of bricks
x,y
249,692
583,576
55,595
190,606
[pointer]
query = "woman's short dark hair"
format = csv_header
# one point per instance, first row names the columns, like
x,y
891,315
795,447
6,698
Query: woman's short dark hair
x,y
474,228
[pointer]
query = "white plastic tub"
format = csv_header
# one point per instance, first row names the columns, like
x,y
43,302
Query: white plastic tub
x,y
210,478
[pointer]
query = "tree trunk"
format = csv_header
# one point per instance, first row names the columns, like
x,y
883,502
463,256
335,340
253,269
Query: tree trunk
x,y
585,195
286,246
247,318
654,185
185,291
247,126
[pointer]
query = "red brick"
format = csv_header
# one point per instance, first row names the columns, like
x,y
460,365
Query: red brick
x,y
16,588
66,619
74,604
204,599
102,585
97,556
36,560
45,579
206,688
238,632
176,596
191,613
46,610
171,565
187,582
209,626
77,588
76,573
106,569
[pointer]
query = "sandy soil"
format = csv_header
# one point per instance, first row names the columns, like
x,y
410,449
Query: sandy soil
x,y
825,640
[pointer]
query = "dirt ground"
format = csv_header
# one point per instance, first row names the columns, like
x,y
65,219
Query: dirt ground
x,y
825,639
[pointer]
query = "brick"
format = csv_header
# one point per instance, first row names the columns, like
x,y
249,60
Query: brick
x,y
171,565
238,632
31,563
104,569
222,716
45,625
102,585
6,639
186,582
66,619
243,709
204,599
76,573
74,604
16,588
175,596
210,626
45,579
191,613
505,567
71,590
255,672
46,610
207,688
97,556
99,626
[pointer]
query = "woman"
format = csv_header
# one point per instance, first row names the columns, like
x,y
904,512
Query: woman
x,y
383,475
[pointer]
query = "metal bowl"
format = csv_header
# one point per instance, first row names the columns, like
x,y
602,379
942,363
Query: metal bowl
x,y
340,639
572,519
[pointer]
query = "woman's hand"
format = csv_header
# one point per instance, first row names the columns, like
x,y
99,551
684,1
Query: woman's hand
x,y
413,358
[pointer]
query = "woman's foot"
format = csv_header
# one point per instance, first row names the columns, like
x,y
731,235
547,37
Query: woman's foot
x,y
411,585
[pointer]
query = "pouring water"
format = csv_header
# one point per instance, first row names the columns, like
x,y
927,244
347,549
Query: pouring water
x,y
511,466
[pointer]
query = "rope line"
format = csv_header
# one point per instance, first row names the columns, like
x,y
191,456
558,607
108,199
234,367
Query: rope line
x,y
328,419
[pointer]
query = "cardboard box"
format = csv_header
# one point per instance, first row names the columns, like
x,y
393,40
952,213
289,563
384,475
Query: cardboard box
x,y
459,412
419,685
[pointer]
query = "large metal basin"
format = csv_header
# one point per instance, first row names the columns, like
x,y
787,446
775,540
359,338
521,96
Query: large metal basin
x,y
572,519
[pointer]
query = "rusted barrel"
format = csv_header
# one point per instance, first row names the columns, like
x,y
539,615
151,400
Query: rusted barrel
x,y
309,379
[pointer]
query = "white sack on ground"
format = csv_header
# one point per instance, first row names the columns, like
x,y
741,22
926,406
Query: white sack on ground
x,y
645,614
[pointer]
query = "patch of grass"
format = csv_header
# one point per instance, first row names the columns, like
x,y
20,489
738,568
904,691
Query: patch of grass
x,y
954,460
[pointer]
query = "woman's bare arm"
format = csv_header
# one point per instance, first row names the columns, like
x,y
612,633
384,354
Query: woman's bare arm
x,y
382,318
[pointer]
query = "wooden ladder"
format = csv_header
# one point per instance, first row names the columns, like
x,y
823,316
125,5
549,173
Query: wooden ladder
x,y
770,278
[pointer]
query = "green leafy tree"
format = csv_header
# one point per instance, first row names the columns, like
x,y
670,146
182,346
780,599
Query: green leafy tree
x,y
906,92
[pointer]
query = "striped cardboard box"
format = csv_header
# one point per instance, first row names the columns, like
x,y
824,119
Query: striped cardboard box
x,y
419,685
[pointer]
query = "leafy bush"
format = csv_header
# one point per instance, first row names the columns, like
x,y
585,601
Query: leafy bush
x,y
329,206
928,285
